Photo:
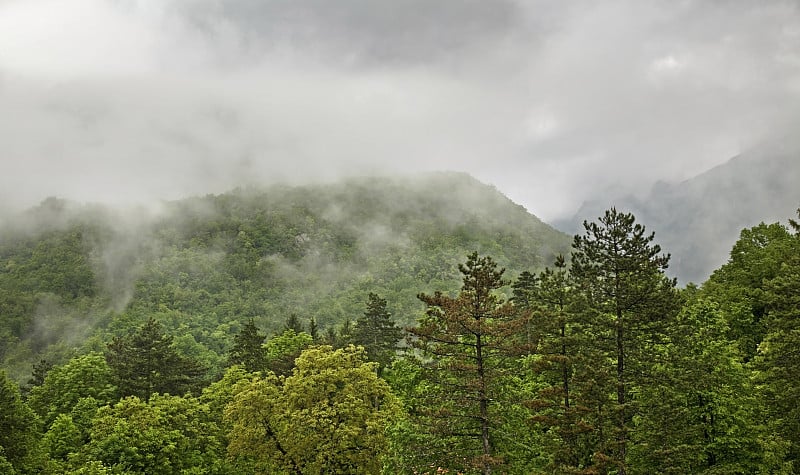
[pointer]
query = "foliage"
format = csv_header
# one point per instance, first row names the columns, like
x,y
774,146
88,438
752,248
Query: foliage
x,y
248,348
778,360
165,435
377,332
329,416
465,342
620,272
558,366
738,286
597,365
700,414
86,376
18,429
282,350
146,363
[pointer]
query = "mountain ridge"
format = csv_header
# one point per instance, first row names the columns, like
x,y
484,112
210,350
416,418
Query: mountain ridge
x,y
75,274
698,220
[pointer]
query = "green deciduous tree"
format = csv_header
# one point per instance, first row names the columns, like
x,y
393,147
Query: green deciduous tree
x,y
738,286
165,435
18,429
86,376
700,412
321,419
778,358
62,439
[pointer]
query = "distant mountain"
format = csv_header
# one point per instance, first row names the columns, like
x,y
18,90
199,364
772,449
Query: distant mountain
x,y
699,220
72,275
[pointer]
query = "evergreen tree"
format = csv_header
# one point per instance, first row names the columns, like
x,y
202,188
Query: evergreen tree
x,y
331,337
522,289
548,297
145,362
466,341
344,337
313,329
38,374
377,332
621,273
294,323
248,349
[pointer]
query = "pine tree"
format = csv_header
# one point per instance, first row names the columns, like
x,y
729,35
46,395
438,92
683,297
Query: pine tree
x,y
621,273
345,335
313,329
377,332
248,348
466,341
548,297
145,362
38,373
293,323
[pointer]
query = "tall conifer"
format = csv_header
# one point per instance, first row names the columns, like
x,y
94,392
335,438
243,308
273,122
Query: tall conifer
x,y
620,270
466,342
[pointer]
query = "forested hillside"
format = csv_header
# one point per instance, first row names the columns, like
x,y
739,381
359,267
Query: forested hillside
x,y
74,275
421,325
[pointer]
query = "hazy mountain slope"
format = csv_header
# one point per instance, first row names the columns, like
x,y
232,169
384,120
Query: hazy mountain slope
x,y
202,265
698,220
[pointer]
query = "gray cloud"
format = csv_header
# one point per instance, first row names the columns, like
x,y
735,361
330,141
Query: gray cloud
x,y
121,100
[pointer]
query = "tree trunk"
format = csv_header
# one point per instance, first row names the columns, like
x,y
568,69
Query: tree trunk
x,y
483,405
622,435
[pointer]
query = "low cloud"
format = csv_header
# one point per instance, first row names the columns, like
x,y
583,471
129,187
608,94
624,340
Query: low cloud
x,y
553,102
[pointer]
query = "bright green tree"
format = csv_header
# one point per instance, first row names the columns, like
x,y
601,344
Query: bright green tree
x,y
86,376
321,419
19,437
739,286
778,358
700,415
63,439
165,435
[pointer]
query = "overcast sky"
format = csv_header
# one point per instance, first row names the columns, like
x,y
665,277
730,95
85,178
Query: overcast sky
x,y
553,102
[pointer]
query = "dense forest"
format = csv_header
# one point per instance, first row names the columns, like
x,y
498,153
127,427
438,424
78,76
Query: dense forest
x,y
424,325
